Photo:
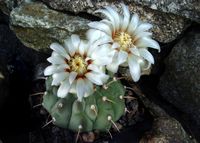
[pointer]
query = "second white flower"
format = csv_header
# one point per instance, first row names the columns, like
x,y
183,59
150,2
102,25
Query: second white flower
x,y
77,66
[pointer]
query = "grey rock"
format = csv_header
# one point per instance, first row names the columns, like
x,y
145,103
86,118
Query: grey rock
x,y
166,26
186,8
180,84
70,5
8,5
165,129
37,26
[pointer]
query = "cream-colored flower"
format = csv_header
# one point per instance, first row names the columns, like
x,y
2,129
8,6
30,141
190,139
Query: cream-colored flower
x,y
129,39
78,65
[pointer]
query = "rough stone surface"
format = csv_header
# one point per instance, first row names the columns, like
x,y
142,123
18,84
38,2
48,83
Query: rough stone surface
x,y
7,5
180,84
166,26
166,130
37,26
186,8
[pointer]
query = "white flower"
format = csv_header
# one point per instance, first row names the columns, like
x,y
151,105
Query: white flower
x,y
129,38
77,66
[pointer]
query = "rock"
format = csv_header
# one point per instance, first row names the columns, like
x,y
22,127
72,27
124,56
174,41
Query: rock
x,y
8,5
180,84
166,26
37,26
187,8
71,5
166,130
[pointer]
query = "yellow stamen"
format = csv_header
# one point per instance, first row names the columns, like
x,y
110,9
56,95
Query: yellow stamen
x,y
78,64
124,40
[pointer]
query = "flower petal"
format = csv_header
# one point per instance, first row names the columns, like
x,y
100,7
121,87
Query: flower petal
x,y
72,77
143,27
126,18
54,54
115,45
50,70
97,78
84,88
80,88
94,68
75,40
64,88
93,35
146,55
115,15
69,46
82,48
113,67
118,59
122,57
134,68
109,16
73,87
101,26
103,55
59,77
145,42
140,35
59,49
89,88
62,67
135,51
56,60
144,64
133,24
95,44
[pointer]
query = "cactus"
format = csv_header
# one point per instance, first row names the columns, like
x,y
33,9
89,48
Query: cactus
x,y
96,112
78,62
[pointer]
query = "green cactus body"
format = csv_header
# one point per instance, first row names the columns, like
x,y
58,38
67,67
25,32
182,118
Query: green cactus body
x,y
96,112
